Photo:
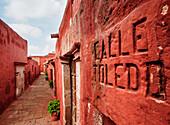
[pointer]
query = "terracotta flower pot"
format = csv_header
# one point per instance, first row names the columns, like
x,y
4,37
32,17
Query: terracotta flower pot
x,y
54,116
51,87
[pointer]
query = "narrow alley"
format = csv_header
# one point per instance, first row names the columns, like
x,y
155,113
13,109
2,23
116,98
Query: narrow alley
x,y
88,62
31,107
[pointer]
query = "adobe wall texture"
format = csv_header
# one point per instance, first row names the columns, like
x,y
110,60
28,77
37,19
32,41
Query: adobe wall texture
x,y
124,66
32,71
12,49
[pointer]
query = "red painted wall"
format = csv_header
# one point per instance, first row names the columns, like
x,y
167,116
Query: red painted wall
x,y
13,48
124,60
32,71
42,61
49,57
49,70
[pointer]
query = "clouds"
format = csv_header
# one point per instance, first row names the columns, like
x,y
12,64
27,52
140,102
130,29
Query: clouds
x,y
37,50
35,20
32,9
50,44
26,31
34,49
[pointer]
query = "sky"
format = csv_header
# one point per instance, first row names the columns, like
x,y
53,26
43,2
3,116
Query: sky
x,y
35,21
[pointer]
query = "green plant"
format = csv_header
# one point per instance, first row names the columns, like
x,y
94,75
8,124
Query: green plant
x,y
46,77
46,73
51,83
54,106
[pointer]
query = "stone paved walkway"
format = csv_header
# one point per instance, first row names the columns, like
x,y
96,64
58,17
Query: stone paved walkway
x,y
31,107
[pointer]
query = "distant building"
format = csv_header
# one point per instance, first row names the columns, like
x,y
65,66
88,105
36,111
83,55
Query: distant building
x,y
42,59
32,71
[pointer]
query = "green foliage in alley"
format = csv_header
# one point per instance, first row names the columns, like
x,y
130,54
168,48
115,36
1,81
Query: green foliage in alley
x,y
51,83
46,77
54,106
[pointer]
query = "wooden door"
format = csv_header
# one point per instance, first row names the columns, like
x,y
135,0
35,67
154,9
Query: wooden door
x,y
51,71
73,92
20,80
29,78
35,73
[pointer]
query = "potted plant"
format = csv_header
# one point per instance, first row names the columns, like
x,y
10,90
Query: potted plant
x,y
46,73
46,77
51,83
54,109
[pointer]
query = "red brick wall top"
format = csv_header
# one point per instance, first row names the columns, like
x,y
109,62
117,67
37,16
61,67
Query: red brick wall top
x,y
50,55
18,46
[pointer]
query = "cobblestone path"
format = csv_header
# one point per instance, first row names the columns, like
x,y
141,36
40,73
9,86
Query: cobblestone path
x,y
31,107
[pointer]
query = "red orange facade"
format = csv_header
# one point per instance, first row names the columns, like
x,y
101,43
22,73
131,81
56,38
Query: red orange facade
x,y
14,66
32,71
112,62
